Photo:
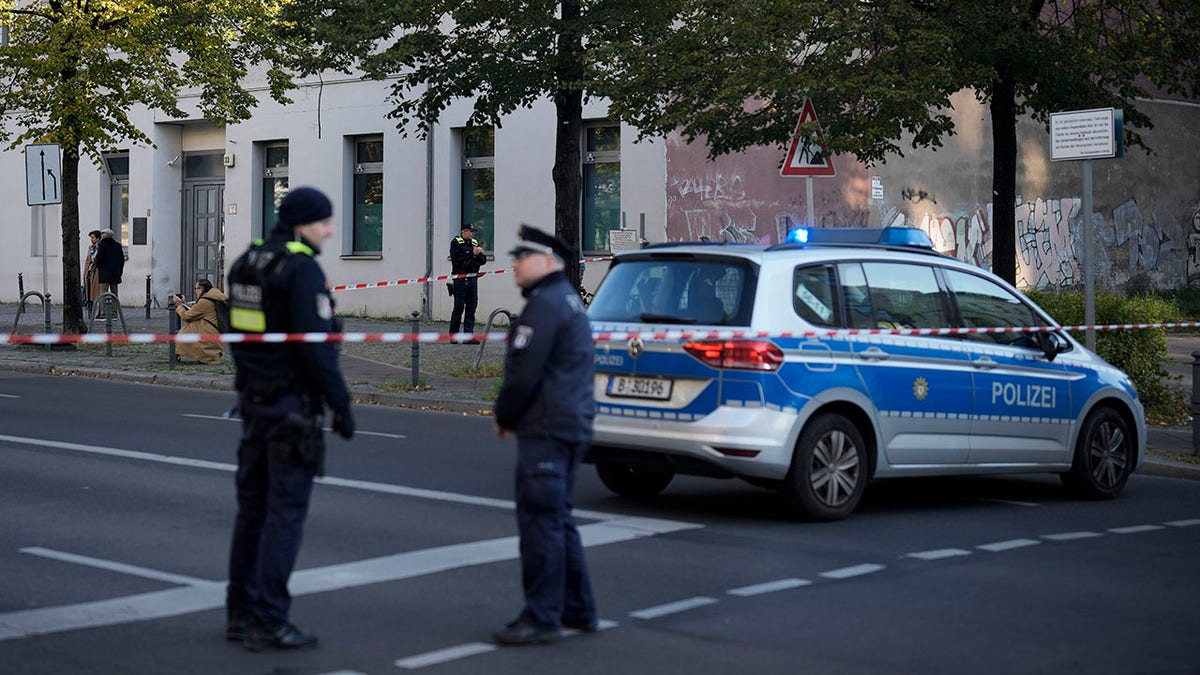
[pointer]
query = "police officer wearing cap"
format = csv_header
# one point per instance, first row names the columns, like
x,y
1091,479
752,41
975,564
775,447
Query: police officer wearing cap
x,y
546,401
466,257
277,287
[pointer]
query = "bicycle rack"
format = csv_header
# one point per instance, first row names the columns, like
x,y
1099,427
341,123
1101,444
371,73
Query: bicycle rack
x,y
488,329
44,299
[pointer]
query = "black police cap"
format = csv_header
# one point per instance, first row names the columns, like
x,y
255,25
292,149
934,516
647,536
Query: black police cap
x,y
533,239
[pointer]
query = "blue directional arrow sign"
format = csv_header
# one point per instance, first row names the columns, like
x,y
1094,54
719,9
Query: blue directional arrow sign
x,y
43,174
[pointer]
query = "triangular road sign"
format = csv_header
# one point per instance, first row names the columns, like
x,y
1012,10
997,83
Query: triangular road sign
x,y
807,155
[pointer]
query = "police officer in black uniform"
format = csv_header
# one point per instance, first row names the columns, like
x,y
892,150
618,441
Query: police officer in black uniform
x,y
546,400
277,287
466,257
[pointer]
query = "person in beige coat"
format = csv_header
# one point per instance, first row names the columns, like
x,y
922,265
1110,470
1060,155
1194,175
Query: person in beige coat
x,y
91,275
200,317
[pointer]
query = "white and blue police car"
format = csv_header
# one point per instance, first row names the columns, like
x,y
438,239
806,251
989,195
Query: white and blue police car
x,y
767,363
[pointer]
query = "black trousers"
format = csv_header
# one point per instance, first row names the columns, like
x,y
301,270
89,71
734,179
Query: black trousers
x,y
273,491
554,572
466,299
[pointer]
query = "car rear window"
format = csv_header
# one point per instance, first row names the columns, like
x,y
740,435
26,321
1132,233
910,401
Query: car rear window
x,y
678,290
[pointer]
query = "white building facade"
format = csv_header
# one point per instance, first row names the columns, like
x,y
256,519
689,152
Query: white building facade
x,y
187,207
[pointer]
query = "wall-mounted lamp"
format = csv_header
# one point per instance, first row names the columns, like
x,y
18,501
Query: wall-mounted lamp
x,y
171,162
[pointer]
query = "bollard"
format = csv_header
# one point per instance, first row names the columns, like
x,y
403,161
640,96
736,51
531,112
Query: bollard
x,y
416,349
172,328
46,311
147,296
1196,402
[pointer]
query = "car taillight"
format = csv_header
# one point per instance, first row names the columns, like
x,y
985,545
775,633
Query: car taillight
x,y
737,354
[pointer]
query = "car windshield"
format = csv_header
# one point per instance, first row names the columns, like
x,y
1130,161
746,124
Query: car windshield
x,y
701,291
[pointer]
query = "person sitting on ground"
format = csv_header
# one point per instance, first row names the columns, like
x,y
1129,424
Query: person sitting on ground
x,y
200,317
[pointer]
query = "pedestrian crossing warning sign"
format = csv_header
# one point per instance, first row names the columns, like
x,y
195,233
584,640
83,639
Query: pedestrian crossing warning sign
x,y
807,155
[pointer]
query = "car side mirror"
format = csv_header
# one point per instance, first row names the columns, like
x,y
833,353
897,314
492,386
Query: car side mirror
x,y
1053,344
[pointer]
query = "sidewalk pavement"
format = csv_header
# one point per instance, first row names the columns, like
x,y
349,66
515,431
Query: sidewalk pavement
x,y
372,381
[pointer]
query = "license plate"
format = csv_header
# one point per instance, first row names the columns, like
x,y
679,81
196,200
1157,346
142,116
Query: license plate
x,y
639,387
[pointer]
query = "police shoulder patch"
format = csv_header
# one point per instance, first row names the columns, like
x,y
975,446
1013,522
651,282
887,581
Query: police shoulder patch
x,y
324,307
523,336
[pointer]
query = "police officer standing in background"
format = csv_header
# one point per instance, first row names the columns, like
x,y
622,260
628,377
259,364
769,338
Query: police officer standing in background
x,y
466,257
277,287
546,400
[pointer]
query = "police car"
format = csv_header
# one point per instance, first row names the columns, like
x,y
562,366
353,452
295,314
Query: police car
x,y
766,363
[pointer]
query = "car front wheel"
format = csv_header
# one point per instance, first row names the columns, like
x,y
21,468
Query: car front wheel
x,y
1103,457
829,469
632,482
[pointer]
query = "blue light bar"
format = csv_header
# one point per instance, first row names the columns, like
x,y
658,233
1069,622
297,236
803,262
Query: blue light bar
x,y
797,236
885,236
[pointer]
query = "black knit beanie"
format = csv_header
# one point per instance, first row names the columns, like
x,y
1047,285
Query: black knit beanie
x,y
302,206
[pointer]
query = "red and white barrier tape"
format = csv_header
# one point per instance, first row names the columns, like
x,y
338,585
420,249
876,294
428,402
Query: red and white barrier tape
x,y
599,336
440,277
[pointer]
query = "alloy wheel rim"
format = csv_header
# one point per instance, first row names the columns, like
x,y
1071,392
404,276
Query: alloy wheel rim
x,y
835,468
1107,455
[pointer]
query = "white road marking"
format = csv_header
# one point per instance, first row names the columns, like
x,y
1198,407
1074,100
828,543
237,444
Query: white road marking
x,y
100,563
1134,529
938,554
1008,545
1071,536
672,607
9,396
1183,523
601,624
444,655
204,595
222,418
199,595
768,587
344,672
853,571
648,525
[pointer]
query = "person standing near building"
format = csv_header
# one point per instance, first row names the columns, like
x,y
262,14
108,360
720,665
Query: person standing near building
x,y
466,257
91,278
278,287
110,262
546,400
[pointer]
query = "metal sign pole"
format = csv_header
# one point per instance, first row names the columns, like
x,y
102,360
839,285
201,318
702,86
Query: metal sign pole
x,y
1089,280
808,186
41,211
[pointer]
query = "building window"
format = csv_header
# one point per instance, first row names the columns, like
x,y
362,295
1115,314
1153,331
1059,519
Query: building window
x,y
479,184
274,182
368,195
601,185
117,166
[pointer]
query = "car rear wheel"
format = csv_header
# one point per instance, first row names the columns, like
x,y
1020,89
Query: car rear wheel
x,y
1103,457
829,469
632,482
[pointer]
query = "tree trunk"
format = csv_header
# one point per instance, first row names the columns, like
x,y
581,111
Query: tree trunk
x,y
71,303
1004,178
568,104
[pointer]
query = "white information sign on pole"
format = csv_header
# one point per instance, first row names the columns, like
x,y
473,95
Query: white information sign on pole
x,y
1083,134
622,240
43,172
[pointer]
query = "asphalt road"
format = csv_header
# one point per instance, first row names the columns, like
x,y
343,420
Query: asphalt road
x,y
116,502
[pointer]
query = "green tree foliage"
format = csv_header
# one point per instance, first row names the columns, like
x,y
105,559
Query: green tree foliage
x,y
73,69
881,73
502,54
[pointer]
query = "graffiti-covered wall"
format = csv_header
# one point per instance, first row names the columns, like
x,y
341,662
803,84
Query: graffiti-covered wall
x,y
1146,207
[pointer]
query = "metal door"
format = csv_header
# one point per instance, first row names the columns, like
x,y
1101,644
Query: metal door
x,y
203,238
